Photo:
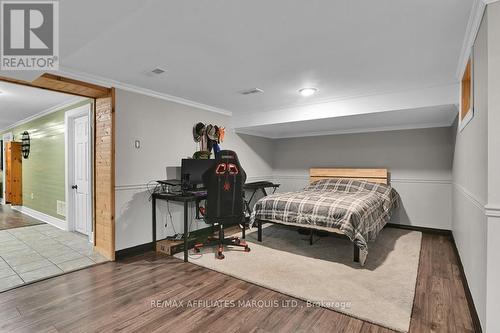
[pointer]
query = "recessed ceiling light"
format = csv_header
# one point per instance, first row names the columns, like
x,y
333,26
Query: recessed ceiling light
x,y
308,91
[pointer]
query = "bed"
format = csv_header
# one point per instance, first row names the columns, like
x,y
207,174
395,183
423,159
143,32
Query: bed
x,y
356,203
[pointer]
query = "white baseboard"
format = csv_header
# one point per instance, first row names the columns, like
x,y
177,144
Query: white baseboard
x,y
61,224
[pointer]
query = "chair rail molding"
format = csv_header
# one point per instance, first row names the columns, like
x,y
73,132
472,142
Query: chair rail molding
x,y
491,210
446,181
470,196
152,184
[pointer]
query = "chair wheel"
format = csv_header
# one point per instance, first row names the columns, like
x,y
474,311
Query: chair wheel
x,y
247,249
220,256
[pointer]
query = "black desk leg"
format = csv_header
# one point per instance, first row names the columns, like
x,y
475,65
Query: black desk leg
x,y
153,204
356,253
259,230
186,231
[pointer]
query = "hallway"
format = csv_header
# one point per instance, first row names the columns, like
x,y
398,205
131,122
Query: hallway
x,y
39,250
10,218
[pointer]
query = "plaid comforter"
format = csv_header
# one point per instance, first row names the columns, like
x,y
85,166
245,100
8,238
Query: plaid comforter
x,y
359,209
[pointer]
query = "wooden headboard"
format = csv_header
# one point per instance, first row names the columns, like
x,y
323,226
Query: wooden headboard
x,y
372,175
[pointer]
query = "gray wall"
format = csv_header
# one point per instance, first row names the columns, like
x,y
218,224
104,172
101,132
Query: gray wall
x,y
470,191
165,131
493,204
419,162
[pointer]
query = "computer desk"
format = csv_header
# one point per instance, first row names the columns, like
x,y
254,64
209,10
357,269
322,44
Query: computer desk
x,y
186,199
177,197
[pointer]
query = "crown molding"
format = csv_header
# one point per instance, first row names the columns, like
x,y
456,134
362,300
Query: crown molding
x,y
99,80
473,25
45,112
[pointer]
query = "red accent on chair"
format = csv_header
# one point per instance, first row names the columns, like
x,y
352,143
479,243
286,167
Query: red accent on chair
x,y
233,169
221,169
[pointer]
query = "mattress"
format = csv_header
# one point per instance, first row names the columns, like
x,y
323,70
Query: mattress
x,y
359,209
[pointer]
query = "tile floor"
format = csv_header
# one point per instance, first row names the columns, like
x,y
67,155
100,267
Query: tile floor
x,y
31,253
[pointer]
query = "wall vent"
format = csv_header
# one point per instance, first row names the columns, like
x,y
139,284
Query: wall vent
x,y
61,208
158,70
251,91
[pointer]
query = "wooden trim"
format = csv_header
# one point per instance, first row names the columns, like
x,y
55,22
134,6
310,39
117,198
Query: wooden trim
x,y
371,175
70,86
104,175
466,91
61,84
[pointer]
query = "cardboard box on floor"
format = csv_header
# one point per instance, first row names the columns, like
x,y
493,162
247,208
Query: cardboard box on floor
x,y
169,247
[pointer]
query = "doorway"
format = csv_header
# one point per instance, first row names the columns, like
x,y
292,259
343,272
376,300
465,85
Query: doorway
x,y
78,170
7,137
103,197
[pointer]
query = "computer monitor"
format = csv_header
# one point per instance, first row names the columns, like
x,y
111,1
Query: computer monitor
x,y
192,171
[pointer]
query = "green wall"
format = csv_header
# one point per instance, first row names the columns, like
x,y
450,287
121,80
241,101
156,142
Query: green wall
x,y
43,171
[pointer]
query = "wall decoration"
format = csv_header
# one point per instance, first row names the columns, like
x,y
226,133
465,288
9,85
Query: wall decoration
x,y
25,139
466,108
208,137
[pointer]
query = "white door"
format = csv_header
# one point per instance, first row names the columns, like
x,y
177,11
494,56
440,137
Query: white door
x,y
81,174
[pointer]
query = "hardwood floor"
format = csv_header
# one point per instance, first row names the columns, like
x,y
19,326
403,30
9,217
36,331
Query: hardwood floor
x,y
117,297
11,219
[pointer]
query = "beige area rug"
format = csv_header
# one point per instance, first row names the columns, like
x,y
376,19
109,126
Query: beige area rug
x,y
381,292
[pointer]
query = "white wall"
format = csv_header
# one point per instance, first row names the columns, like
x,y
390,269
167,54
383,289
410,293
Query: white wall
x,y
470,180
493,204
165,131
419,162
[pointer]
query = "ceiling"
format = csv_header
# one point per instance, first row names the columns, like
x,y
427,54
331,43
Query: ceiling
x,y
18,102
442,116
212,50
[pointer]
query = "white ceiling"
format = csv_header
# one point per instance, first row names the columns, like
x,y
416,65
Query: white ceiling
x,y
18,102
213,49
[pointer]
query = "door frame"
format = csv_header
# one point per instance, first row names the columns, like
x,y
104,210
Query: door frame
x,y
6,137
69,169
104,150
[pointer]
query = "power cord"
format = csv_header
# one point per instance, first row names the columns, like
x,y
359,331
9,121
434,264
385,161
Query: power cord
x,y
157,188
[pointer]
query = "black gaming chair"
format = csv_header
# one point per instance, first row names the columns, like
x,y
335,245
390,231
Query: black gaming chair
x,y
224,207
